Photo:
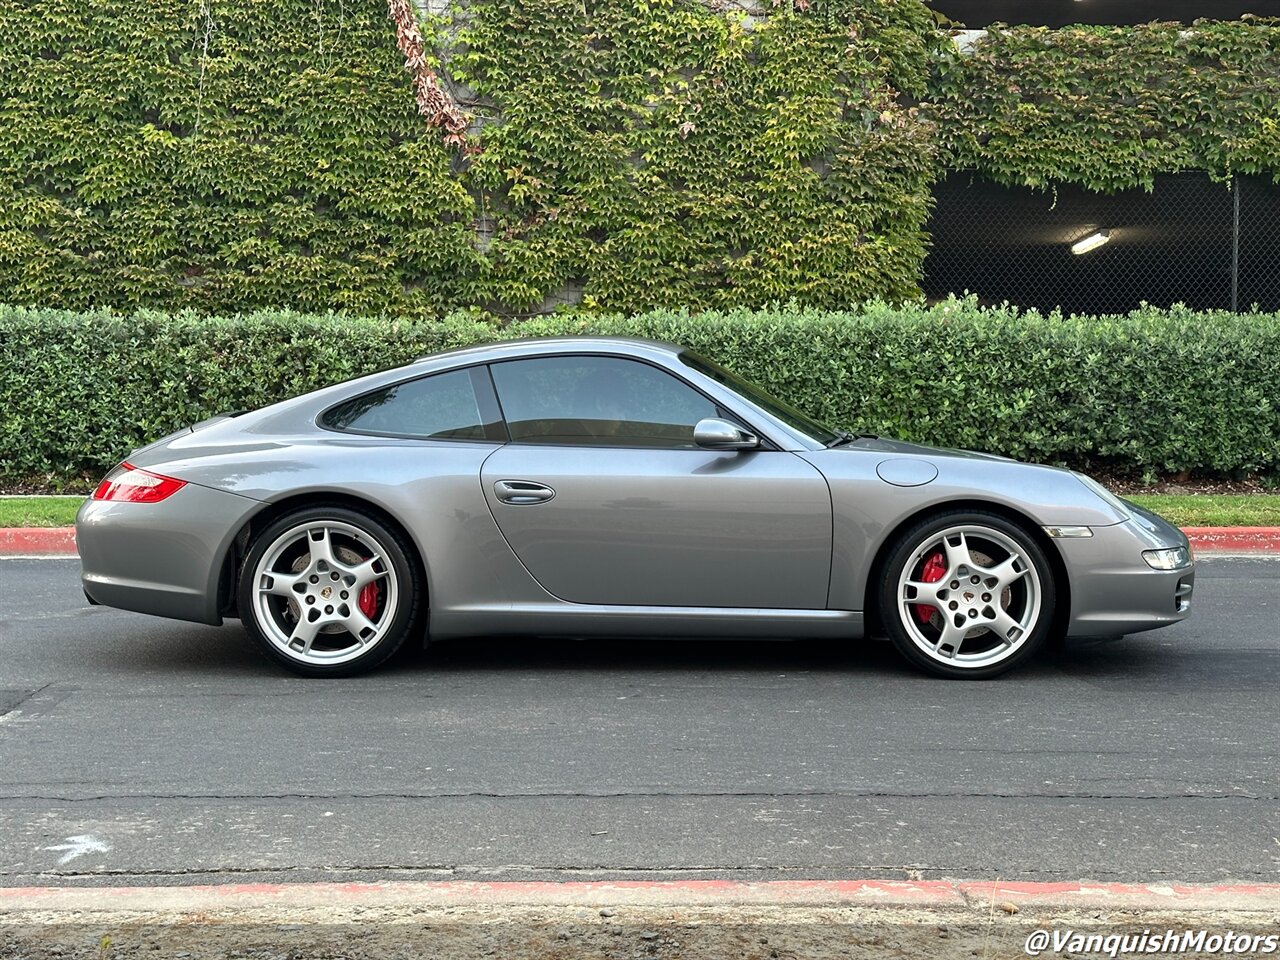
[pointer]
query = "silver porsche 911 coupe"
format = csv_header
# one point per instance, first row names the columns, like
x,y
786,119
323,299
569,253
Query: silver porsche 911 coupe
x,y
610,488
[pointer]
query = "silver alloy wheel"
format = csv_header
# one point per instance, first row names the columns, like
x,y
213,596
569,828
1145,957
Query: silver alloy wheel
x,y
307,587
990,605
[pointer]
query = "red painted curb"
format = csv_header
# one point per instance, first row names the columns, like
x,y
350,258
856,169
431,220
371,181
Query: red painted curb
x,y
1234,539
957,895
37,541
1180,896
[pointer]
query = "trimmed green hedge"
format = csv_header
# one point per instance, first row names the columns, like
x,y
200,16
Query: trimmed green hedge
x,y
1154,391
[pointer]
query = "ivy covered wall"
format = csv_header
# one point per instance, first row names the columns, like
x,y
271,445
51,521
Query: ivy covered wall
x,y
652,153
1110,108
223,155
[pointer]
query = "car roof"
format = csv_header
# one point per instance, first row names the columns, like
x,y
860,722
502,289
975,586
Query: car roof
x,y
526,346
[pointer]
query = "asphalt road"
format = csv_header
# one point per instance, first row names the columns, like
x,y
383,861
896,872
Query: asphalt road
x,y
144,751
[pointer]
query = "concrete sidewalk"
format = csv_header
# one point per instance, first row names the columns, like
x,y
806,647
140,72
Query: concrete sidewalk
x,y
771,920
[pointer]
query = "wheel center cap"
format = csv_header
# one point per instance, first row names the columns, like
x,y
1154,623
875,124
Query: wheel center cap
x,y
327,592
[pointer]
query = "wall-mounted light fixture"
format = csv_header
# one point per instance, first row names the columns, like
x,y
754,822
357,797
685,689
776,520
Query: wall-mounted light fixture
x,y
1091,242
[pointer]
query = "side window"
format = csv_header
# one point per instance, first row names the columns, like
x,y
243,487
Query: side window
x,y
439,407
606,401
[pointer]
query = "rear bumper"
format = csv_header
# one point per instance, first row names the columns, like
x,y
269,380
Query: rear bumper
x,y
1114,591
164,558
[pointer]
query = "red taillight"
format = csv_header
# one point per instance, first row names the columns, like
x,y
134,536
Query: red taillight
x,y
128,484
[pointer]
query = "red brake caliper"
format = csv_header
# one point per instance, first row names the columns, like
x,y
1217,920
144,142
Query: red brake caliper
x,y
367,601
935,568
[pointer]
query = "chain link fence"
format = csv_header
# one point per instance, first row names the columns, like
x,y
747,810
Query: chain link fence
x,y
1193,241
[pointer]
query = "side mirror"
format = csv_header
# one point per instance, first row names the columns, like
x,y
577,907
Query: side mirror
x,y
715,434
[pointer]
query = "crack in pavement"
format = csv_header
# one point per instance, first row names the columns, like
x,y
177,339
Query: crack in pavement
x,y
11,710
642,795
910,872
24,698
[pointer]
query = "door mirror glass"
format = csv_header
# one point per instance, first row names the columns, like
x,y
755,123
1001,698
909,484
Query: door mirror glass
x,y
716,434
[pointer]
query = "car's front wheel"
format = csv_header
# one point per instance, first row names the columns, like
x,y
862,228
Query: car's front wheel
x,y
967,595
329,591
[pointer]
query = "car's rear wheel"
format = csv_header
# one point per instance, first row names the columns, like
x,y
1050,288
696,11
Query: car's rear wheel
x,y
329,591
967,595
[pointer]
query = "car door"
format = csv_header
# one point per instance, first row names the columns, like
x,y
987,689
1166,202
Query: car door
x,y
605,499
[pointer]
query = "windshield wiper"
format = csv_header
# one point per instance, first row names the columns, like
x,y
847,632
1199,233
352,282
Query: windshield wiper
x,y
844,437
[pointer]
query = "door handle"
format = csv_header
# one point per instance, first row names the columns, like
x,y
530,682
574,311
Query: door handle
x,y
522,491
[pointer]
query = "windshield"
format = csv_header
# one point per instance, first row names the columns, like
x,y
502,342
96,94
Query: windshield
x,y
783,411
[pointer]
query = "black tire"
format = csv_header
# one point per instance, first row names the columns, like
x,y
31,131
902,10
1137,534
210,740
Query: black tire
x,y
906,549
399,554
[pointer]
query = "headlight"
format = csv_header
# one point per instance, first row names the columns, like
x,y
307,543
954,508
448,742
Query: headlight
x,y
1107,497
1170,559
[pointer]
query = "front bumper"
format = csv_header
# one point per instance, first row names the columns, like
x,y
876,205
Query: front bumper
x,y
163,558
1113,590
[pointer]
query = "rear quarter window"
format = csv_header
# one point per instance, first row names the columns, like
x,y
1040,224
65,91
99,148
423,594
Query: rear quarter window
x,y
439,407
